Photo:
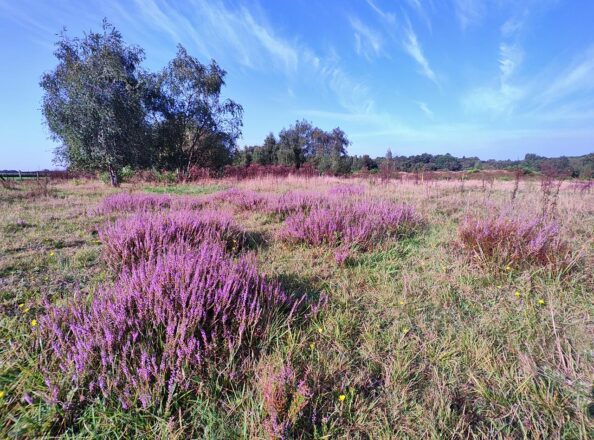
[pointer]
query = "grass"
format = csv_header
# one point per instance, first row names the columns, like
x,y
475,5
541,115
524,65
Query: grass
x,y
422,341
190,190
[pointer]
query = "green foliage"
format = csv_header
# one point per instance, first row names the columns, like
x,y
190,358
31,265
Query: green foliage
x,y
193,190
299,144
93,102
107,113
123,175
194,127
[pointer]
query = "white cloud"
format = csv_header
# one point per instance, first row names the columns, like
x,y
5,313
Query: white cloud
x,y
469,12
512,26
413,48
368,43
501,99
510,58
420,10
387,16
425,109
577,78
275,46
212,29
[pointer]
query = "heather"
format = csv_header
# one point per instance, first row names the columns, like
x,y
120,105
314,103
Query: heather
x,y
361,225
164,324
513,241
144,236
150,321
143,202
126,202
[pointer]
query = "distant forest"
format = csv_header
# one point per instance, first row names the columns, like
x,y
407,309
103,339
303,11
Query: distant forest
x,y
566,166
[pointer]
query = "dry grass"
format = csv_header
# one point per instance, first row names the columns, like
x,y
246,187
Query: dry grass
x,y
421,341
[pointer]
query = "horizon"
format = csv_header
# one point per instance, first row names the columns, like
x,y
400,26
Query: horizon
x,y
472,78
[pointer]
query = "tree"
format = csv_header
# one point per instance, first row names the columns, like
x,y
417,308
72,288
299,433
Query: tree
x,y
93,102
267,153
200,128
329,151
295,145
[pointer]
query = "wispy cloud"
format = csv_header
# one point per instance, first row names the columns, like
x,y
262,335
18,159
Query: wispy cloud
x,y
352,95
577,78
413,48
368,43
512,26
386,16
510,58
212,28
469,12
417,6
277,47
425,109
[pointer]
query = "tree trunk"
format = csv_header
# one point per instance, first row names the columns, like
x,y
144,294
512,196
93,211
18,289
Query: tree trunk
x,y
113,176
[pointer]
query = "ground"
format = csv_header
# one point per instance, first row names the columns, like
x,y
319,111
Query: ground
x,y
418,337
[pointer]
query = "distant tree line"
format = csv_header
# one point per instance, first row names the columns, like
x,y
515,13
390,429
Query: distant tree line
x,y
299,144
580,166
109,114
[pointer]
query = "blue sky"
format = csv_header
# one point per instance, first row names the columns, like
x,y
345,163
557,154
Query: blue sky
x,y
494,79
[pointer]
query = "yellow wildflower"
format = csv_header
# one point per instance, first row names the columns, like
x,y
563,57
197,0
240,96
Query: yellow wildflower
x,y
341,397
518,294
2,394
312,345
508,267
52,253
33,323
26,310
541,302
320,330
401,303
21,305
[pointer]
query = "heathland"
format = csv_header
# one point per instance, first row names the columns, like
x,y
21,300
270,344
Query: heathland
x,y
297,307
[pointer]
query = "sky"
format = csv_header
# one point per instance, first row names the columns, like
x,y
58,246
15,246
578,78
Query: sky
x,y
487,78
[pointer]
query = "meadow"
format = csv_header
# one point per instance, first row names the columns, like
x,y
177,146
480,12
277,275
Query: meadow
x,y
297,307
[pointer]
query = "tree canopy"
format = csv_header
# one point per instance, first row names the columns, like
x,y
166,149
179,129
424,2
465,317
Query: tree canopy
x,y
93,101
107,112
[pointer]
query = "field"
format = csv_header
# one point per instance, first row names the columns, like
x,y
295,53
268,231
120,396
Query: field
x,y
329,308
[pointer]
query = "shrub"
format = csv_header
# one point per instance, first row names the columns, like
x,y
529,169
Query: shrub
x,y
242,199
126,202
285,398
166,324
347,190
361,224
294,202
511,240
145,236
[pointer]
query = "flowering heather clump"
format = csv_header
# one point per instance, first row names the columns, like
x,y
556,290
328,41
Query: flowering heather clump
x,y
361,224
347,190
342,254
165,324
284,398
126,202
294,202
242,199
508,240
146,235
